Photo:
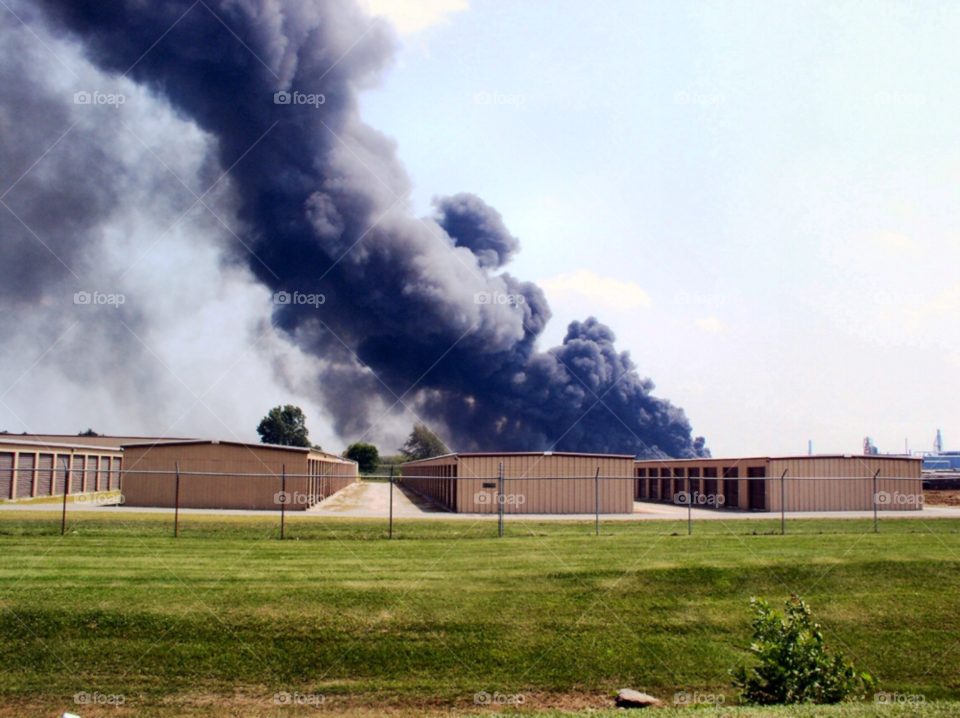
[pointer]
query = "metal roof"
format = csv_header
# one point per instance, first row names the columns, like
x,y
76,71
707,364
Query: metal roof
x,y
54,444
473,454
248,444
886,457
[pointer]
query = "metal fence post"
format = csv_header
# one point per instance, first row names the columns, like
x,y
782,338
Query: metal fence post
x,y
596,497
876,528
283,503
176,505
689,506
391,502
66,489
500,500
783,504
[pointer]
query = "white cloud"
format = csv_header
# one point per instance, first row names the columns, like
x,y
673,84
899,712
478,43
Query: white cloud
x,y
604,292
710,324
413,16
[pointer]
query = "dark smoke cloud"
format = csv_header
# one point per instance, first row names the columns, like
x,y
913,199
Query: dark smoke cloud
x,y
60,179
321,203
474,224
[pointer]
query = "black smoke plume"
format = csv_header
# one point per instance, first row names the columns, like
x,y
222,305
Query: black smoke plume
x,y
422,302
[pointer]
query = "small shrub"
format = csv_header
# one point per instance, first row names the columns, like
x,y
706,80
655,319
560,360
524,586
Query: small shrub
x,y
795,666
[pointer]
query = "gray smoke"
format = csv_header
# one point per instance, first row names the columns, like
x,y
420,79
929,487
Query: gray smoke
x,y
474,224
416,308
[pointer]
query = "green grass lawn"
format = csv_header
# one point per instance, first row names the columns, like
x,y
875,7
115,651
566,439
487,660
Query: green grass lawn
x,y
225,616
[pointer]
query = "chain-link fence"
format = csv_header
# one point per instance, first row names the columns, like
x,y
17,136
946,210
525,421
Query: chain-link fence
x,y
597,498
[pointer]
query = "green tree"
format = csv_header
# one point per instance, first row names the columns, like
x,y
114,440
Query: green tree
x,y
423,444
795,666
88,432
366,456
286,426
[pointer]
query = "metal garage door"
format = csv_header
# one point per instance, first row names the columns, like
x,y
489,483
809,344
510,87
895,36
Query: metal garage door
x,y
25,468
77,479
107,481
6,474
60,477
45,475
92,465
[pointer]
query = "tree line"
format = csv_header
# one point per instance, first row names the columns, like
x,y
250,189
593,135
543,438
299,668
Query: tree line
x,y
287,426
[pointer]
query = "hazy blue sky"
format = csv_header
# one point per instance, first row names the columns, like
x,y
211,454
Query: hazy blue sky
x,y
760,198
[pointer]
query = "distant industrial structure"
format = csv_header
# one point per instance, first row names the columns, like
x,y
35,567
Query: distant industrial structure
x,y
940,463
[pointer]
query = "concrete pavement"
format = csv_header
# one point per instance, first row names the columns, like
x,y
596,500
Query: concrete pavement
x,y
372,500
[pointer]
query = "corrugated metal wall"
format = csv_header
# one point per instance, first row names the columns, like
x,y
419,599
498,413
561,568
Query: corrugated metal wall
x,y
848,483
538,486
234,487
434,478
815,483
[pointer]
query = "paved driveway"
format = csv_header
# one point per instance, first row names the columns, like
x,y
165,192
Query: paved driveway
x,y
372,500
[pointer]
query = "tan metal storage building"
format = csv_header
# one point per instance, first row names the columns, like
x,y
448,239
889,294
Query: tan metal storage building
x,y
231,475
810,483
31,466
534,482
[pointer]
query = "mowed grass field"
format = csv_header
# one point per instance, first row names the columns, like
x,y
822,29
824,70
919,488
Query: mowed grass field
x,y
219,620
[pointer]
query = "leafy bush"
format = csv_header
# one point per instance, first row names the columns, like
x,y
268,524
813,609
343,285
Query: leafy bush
x,y
795,666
